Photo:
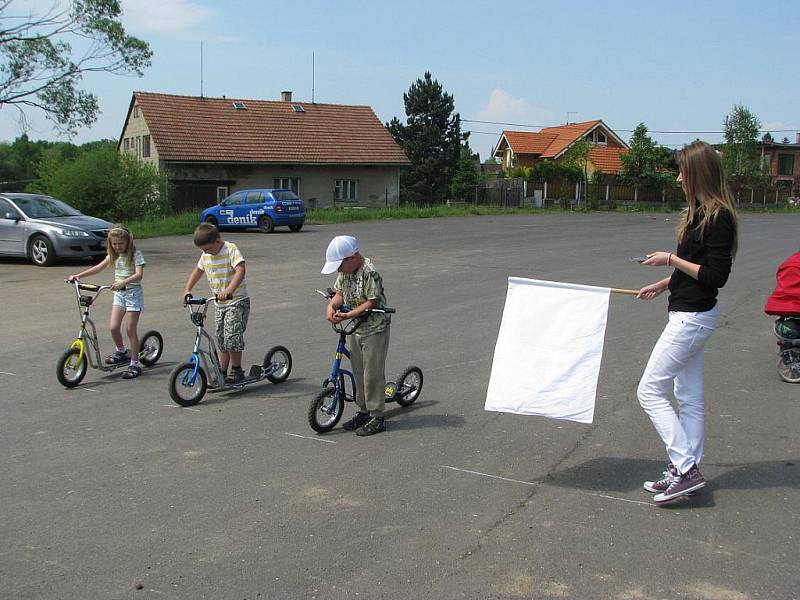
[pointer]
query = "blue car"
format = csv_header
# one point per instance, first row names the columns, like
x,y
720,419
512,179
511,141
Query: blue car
x,y
262,208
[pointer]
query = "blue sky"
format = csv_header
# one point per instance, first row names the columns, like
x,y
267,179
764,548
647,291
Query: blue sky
x,y
677,67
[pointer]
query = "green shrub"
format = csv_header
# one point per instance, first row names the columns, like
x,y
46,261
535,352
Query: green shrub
x,y
102,183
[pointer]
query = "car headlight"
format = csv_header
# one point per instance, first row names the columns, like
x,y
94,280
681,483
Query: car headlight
x,y
73,233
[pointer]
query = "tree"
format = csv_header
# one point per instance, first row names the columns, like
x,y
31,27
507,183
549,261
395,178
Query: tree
x,y
767,138
104,183
785,140
740,155
40,69
647,163
577,156
466,177
432,140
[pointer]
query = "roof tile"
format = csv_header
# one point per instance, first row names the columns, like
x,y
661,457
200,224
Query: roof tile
x,y
192,128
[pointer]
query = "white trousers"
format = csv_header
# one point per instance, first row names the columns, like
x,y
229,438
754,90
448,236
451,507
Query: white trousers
x,y
677,362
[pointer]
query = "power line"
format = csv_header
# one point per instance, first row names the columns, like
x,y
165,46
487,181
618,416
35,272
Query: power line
x,y
630,130
498,133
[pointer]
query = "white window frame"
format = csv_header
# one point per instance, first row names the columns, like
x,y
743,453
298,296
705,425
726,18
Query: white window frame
x,y
146,138
222,193
287,183
345,190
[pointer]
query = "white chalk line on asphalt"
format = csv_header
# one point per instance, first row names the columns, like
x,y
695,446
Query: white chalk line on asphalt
x,y
487,475
6,373
528,483
181,407
307,437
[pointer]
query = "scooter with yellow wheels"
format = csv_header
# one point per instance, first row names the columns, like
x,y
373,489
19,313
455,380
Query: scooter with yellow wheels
x,y
84,352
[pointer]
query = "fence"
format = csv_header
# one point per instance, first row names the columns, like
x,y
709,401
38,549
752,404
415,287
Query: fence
x,y
517,193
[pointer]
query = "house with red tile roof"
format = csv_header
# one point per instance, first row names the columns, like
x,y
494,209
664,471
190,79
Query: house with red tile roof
x,y
525,148
329,154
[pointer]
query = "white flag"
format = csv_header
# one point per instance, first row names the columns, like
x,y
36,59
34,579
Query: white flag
x,y
547,358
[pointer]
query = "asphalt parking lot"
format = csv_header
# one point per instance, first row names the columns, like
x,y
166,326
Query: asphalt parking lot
x,y
112,491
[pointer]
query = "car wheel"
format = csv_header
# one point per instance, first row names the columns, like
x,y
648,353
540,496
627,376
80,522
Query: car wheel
x,y
40,251
295,227
212,221
265,224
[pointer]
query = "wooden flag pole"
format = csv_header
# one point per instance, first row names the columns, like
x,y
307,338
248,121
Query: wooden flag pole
x,y
624,291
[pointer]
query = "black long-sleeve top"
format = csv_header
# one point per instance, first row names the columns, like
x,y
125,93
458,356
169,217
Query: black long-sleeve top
x,y
714,254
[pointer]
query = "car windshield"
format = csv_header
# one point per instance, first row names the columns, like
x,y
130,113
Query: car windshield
x,y
43,207
284,195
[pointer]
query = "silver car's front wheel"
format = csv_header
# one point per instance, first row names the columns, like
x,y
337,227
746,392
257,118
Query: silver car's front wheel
x,y
41,251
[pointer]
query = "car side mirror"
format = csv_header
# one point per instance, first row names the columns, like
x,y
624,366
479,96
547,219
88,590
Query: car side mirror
x,y
11,216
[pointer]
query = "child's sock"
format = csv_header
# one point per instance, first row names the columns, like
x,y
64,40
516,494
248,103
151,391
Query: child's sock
x,y
120,348
135,363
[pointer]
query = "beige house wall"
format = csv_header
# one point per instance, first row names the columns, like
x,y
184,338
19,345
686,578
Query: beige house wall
x,y
376,185
135,129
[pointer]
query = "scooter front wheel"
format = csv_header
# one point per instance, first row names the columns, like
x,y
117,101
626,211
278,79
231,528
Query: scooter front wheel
x,y
322,414
152,345
281,359
789,365
71,368
409,386
181,390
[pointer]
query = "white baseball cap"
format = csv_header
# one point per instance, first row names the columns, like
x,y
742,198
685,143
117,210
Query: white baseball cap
x,y
341,247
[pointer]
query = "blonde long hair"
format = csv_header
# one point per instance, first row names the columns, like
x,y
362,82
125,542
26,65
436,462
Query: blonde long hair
x,y
705,187
120,232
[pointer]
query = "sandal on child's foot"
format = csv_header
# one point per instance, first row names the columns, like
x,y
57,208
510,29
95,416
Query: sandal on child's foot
x,y
132,372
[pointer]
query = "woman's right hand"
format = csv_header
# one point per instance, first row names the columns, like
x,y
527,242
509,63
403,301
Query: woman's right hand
x,y
649,292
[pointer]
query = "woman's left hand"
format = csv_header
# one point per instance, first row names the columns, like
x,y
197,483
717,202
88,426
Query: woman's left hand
x,y
657,259
117,285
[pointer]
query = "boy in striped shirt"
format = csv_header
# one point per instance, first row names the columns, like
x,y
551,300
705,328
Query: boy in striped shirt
x,y
224,267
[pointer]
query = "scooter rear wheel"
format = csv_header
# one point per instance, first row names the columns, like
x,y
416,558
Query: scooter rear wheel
x,y
411,377
320,415
71,368
789,365
151,348
181,391
282,359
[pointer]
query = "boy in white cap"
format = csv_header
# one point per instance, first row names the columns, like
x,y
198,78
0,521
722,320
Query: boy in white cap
x,y
360,287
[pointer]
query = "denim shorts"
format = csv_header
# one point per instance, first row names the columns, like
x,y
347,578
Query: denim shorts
x,y
131,299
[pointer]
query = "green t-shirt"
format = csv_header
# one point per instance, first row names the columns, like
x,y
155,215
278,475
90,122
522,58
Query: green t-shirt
x,y
356,288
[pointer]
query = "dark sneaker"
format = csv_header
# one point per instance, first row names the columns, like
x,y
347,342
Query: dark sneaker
x,y
662,484
118,357
235,376
683,485
359,419
133,372
371,427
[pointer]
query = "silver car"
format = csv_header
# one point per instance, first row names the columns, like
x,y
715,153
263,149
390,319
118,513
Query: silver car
x,y
43,229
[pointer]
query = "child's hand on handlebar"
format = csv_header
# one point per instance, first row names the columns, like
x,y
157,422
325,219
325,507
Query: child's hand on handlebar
x,y
223,295
117,285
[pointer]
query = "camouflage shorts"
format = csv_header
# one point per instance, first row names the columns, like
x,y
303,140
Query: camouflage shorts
x,y
231,321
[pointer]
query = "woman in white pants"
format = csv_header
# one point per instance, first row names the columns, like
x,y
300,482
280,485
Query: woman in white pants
x,y
707,240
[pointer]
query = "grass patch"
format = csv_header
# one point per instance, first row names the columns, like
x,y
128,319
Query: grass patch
x,y
184,223
179,224
327,215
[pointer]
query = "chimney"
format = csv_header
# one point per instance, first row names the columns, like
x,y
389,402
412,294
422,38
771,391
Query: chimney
x,y
798,138
286,96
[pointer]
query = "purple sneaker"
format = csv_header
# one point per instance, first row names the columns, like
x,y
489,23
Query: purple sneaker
x,y
683,485
667,477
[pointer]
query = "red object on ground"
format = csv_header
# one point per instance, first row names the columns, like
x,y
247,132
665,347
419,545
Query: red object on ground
x,y
785,300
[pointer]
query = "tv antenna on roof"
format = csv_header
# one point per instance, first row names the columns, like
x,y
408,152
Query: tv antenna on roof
x,y
313,76
201,68
570,112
